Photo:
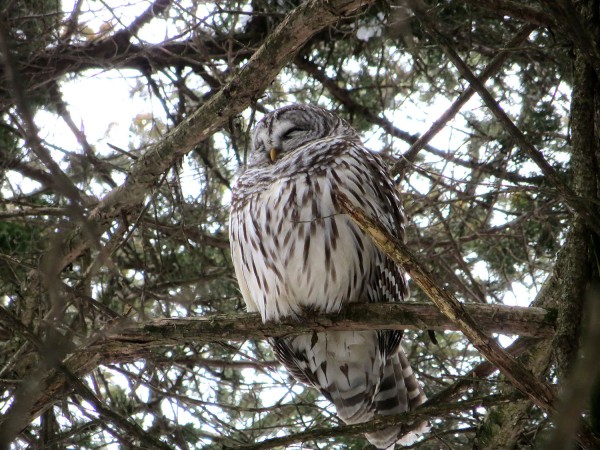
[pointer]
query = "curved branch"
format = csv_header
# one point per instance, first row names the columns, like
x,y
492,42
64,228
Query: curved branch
x,y
517,10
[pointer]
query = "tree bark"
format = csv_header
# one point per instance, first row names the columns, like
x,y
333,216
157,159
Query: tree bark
x,y
576,367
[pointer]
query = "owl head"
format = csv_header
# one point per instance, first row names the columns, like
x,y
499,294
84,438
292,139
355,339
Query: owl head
x,y
290,128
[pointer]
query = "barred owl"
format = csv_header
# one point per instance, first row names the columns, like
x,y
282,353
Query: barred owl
x,y
294,251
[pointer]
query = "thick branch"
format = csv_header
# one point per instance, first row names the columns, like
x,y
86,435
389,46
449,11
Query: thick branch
x,y
535,322
517,10
133,342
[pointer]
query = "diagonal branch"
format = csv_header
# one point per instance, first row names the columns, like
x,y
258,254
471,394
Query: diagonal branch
x,y
245,86
492,68
541,394
522,379
155,9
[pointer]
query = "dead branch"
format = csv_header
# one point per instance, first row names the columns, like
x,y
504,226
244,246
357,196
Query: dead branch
x,y
522,379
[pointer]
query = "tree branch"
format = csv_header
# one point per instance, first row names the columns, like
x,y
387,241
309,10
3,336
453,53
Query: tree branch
x,y
124,342
541,394
490,70
587,208
522,379
534,322
423,412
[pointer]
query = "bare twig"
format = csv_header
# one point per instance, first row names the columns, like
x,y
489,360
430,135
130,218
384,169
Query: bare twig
x,y
424,412
60,181
492,68
343,96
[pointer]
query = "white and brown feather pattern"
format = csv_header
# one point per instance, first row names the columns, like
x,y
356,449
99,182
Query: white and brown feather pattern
x,y
294,251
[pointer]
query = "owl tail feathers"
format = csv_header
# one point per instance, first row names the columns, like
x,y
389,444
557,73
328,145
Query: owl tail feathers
x,y
389,437
399,391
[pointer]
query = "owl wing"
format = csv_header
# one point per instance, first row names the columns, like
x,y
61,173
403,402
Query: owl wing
x,y
240,258
363,178
365,181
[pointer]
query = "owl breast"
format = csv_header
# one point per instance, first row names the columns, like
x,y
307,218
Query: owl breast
x,y
295,251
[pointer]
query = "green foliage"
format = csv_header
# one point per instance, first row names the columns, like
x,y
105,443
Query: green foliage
x,y
19,239
32,27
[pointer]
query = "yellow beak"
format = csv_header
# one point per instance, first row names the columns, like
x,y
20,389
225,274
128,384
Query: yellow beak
x,y
273,154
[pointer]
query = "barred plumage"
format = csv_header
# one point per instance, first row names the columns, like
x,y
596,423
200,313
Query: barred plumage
x,y
294,252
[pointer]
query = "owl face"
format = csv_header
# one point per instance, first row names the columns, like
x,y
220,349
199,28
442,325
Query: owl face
x,y
290,128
